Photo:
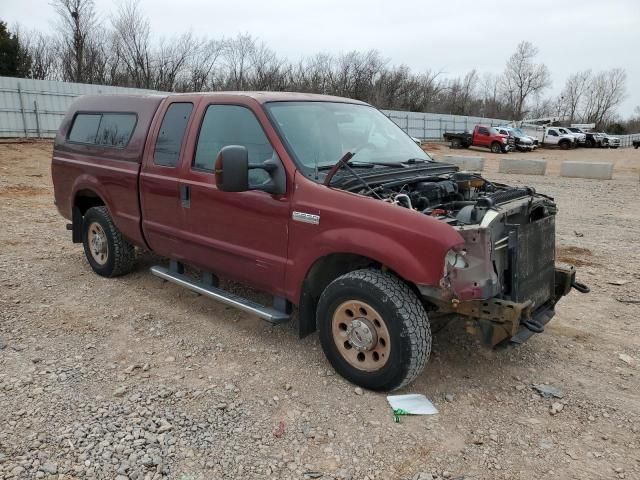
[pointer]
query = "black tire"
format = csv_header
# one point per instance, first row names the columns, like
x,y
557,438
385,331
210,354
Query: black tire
x,y
590,143
403,316
456,143
496,147
565,145
118,257
614,147
636,146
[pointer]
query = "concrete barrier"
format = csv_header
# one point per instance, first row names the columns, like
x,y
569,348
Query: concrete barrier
x,y
596,170
524,166
474,164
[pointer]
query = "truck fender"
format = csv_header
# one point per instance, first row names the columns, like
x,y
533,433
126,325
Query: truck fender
x,y
86,182
360,249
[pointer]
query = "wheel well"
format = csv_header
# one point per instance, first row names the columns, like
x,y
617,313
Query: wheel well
x,y
85,199
324,271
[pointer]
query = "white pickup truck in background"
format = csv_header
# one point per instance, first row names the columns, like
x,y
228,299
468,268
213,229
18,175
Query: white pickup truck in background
x,y
580,137
550,136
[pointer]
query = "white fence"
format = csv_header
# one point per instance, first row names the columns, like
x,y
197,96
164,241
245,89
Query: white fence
x,y
35,108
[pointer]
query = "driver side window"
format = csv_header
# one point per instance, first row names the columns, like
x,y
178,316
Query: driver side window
x,y
225,125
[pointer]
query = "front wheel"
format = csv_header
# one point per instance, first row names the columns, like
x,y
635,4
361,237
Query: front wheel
x,y
496,147
108,253
374,329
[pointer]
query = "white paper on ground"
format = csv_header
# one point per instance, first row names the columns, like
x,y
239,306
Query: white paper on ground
x,y
413,403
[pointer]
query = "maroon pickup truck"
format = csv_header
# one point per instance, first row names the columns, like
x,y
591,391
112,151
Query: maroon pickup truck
x,y
320,201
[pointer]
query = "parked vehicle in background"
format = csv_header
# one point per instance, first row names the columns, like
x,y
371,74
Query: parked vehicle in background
x,y
482,136
636,144
552,137
320,201
522,142
591,139
580,137
610,141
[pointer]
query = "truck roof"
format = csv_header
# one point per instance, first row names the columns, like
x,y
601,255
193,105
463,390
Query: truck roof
x,y
145,105
135,101
265,97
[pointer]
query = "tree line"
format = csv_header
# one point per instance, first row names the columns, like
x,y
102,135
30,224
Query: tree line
x,y
124,52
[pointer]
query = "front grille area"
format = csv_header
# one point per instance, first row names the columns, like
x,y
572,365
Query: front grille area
x,y
532,261
504,196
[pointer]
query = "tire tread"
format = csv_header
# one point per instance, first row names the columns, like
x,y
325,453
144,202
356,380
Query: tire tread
x,y
124,253
410,311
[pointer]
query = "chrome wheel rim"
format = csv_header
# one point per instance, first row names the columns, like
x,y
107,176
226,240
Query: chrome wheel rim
x,y
361,335
98,245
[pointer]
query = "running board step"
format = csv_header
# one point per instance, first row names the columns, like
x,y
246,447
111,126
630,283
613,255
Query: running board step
x,y
269,314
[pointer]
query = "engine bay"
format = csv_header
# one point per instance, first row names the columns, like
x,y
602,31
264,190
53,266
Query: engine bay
x,y
457,198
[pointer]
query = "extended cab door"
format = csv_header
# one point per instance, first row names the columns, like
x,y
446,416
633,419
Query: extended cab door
x,y
481,137
161,194
241,235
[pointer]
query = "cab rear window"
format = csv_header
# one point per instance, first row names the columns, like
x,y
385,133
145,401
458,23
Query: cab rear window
x,y
104,129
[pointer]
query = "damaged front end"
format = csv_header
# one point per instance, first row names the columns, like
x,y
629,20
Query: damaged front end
x,y
503,280
508,283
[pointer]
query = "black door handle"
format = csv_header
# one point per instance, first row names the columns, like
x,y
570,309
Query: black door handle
x,y
185,196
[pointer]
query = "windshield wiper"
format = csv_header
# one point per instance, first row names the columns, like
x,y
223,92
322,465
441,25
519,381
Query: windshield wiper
x,y
344,162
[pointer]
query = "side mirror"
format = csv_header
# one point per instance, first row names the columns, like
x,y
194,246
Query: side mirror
x,y
232,169
232,172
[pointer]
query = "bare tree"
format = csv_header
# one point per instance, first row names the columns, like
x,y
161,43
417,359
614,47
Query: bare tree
x,y
237,57
132,36
459,94
523,78
573,93
171,60
77,23
43,55
491,100
202,68
604,93
268,72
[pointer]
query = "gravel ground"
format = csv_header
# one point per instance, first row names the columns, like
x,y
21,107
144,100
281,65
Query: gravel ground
x,y
133,378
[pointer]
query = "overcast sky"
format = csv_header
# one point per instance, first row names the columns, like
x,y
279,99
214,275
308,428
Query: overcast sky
x,y
447,36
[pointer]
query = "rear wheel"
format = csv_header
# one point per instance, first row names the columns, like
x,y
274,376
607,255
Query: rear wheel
x,y
590,143
565,145
374,329
496,147
456,143
108,253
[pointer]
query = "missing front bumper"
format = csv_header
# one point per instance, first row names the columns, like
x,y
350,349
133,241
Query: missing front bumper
x,y
498,320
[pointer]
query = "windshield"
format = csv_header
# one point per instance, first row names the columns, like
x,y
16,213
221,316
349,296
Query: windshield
x,y
518,132
495,132
320,133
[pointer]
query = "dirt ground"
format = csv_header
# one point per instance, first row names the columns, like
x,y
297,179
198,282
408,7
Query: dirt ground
x,y
132,378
